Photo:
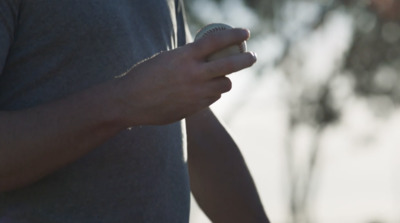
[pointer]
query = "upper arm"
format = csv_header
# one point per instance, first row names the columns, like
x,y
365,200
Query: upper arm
x,y
8,23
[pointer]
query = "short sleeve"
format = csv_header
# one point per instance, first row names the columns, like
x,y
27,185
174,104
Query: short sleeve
x,y
8,22
184,35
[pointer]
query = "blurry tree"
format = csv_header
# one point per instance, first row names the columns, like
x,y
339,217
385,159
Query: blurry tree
x,y
370,65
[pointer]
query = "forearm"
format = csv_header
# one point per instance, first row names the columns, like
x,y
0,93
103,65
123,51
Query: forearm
x,y
220,180
38,141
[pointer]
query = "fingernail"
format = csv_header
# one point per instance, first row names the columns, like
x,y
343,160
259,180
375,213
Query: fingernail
x,y
247,33
254,56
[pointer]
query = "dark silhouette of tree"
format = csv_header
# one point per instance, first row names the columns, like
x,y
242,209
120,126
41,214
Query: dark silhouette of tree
x,y
371,64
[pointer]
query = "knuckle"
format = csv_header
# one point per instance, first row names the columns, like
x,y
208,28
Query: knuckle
x,y
194,73
211,41
230,66
186,53
209,70
213,38
195,47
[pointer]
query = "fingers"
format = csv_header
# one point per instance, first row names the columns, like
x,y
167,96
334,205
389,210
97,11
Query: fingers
x,y
215,88
218,86
214,42
219,40
212,90
228,65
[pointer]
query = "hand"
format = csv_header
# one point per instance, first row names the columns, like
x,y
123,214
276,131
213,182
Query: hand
x,y
177,83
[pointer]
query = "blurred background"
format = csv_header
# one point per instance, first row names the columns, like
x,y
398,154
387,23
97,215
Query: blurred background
x,y
317,118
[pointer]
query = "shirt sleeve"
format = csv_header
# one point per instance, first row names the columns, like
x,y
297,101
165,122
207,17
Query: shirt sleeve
x,y
184,35
8,22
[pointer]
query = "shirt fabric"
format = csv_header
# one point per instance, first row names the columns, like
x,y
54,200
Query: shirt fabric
x,y
50,49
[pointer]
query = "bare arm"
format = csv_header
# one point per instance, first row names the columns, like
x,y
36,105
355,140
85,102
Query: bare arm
x,y
219,178
166,88
40,140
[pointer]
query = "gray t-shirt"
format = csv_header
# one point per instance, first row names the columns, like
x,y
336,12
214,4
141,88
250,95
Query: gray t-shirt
x,y
52,48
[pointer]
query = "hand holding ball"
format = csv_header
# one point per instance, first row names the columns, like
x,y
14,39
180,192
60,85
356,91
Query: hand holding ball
x,y
216,27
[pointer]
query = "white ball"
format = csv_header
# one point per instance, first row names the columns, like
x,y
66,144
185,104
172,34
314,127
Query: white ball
x,y
216,27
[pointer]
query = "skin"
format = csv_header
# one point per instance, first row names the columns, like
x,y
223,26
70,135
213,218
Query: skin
x,y
219,178
166,88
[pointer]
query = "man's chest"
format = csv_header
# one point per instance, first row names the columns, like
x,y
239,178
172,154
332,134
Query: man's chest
x,y
77,19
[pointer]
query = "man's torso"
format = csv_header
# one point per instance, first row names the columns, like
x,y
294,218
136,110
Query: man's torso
x,y
60,47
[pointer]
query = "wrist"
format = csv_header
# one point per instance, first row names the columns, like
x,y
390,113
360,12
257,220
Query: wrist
x,y
106,107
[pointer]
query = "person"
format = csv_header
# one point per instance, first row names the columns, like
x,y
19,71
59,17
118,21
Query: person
x,y
98,101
